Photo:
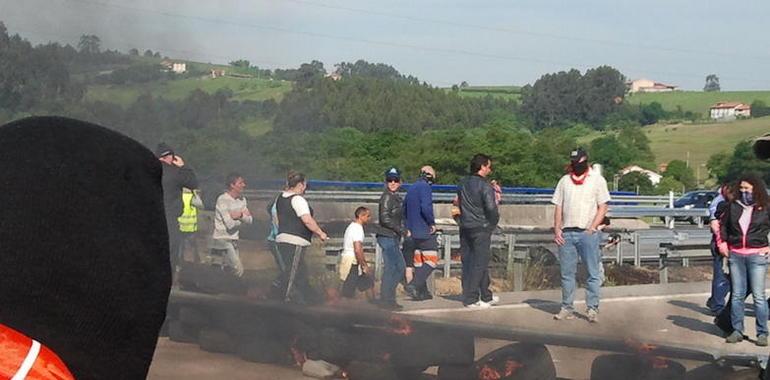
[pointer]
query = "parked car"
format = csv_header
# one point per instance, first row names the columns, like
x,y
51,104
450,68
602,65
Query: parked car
x,y
695,199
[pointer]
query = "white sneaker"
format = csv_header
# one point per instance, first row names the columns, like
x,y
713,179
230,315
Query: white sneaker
x,y
564,314
494,301
479,305
593,315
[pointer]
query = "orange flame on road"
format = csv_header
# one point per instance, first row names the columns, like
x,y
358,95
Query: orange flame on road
x,y
489,373
400,326
511,366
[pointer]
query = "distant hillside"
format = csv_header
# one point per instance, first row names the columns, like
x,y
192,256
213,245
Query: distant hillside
x,y
505,92
243,89
696,101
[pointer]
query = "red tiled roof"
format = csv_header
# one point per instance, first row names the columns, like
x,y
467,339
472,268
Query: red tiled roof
x,y
735,105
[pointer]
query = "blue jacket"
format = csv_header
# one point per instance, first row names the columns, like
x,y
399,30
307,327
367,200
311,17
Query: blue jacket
x,y
418,209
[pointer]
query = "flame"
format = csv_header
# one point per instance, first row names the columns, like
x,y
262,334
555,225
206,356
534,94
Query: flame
x,y
642,348
489,373
511,366
299,356
400,326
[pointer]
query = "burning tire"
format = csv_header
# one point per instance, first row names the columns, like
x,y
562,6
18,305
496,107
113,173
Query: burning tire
x,y
629,367
265,350
709,371
521,361
216,341
182,333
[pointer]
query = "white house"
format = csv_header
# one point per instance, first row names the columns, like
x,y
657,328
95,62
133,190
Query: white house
x,y
730,110
179,67
654,177
646,85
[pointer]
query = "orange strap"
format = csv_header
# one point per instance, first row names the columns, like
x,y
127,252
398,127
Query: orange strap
x,y
24,358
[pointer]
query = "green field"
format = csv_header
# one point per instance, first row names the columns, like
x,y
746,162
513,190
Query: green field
x,y
243,89
697,101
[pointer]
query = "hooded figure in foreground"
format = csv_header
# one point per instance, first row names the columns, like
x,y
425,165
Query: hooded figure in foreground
x,y
84,259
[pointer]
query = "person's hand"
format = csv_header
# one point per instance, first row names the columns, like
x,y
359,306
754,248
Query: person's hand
x,y
246,212
177,161
590,231
365,269
764,251
558,237
432,230
236,214
408,233
323,236
723,250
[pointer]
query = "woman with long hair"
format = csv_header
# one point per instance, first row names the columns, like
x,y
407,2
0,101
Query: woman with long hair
x,y
745,224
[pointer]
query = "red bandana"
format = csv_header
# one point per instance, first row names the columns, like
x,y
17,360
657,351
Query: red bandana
x,y
578,180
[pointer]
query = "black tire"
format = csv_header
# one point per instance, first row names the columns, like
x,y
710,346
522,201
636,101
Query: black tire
x,y
455,372
708,372
533,362
630,367
182,333
216,341
264,350
409,373
193,316
358,370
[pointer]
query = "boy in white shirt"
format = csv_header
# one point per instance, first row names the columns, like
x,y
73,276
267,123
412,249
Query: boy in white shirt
x,y
354,270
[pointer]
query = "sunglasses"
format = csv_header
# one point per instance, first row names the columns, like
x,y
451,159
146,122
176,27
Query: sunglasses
x,y
391,180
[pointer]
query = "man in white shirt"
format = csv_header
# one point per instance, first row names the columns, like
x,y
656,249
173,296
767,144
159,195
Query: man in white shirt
x,y
231,213
354,270
581,200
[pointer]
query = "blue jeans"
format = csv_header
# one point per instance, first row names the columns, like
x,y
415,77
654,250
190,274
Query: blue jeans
x,y
580,244
394,267
748,270
720,283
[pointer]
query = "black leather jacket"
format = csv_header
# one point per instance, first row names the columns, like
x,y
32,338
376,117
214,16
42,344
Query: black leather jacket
x,y
391,215
733,234
478,208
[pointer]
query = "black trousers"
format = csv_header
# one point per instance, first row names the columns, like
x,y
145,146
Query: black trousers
x,y
301,291
475,247
355,281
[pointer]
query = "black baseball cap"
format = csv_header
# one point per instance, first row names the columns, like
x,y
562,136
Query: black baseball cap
x,y
578,155
163,150
392,173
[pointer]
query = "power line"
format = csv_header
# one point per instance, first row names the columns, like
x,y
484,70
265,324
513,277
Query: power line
x,y
523,32
372,42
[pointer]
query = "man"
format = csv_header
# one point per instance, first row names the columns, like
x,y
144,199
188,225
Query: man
x,y
478,218
389,238
296,228
354,270
231,213
581,200
176,177
188,223
720,283
418,211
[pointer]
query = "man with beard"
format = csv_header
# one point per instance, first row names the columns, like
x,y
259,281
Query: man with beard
x,y
581,199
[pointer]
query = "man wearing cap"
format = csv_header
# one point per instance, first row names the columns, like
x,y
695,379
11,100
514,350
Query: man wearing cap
x,y
418,211
176,177
389,238
581,199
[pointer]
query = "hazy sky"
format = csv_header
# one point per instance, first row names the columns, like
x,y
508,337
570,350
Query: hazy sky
x,y
493,42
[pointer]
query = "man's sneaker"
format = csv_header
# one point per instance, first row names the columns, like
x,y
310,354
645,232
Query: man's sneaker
x,y
478,305
593,315
494,301
390,306
762,341
564,314
736,337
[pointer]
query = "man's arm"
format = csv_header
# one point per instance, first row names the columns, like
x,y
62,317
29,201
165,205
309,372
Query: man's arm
x,y
490,206
224,213
358,248
313,226
426,206
601,212
557,225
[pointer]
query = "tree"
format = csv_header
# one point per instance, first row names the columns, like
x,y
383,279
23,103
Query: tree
x,y
651,113
717,165
678,170
464,84
133,52
759,109
89,44
668,184
148,53
637,182
744,162
712,83
241,63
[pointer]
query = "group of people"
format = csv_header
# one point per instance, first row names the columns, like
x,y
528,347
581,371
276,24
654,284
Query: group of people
x,y
740,223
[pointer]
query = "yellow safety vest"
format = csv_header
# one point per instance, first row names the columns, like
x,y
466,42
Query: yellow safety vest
x,y
188,222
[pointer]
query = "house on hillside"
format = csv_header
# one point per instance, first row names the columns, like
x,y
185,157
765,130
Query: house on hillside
x,y
217,73
334,76
653,176
646,85
176,67
730,110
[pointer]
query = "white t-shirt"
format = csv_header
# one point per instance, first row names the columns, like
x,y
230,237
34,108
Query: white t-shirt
x,y
580,202
301,207
354,233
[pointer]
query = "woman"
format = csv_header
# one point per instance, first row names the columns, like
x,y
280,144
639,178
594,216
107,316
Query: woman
x,y
743,239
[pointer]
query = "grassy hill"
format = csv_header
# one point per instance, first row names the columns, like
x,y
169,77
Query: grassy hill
x,y
697,101
243,89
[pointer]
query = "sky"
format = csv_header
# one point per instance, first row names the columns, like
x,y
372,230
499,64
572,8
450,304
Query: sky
x,y
443,42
